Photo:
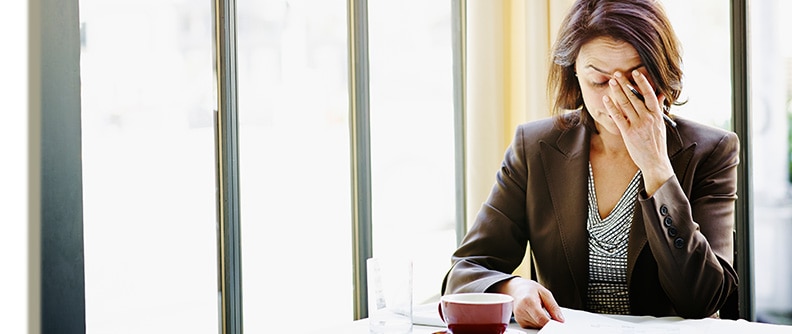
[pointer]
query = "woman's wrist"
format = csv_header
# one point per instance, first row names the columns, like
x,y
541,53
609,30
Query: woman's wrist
x,y
654,179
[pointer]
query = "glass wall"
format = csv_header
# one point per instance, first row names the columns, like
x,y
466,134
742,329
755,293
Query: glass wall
x,y
704,31
294,152
412,137
149,184
15,175
770,62
148,166
294,163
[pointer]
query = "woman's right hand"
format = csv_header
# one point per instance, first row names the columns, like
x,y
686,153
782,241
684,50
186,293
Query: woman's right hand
x,y
534,305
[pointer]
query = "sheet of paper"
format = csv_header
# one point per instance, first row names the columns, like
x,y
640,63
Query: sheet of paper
x,y
586,322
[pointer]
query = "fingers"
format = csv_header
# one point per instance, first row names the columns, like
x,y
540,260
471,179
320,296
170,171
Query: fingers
x,y
551,305
532,317
646,90
629,102
615,114
621,96
537,308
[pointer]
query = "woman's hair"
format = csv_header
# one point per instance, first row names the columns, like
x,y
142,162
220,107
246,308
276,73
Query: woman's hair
x,y
641,23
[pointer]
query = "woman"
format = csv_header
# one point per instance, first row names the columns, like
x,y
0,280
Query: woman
x,y
626,210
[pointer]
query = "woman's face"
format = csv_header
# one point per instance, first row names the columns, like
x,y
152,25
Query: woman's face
x,y
596,64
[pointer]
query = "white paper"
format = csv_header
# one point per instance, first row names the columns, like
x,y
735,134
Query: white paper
x,y
586,322
577,322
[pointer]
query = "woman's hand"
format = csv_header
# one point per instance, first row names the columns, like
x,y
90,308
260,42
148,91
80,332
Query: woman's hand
x,y
642,127
534,305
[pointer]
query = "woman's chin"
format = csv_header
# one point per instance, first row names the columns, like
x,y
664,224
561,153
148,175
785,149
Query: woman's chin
x,y
607,126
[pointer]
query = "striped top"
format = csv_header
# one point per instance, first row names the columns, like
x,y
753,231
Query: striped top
x,y
607,288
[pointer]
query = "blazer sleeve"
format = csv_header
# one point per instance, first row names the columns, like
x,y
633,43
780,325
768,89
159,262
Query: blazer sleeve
x,y
495,245
691,237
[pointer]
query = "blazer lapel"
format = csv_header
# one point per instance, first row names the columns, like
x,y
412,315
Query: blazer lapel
x,y
565,165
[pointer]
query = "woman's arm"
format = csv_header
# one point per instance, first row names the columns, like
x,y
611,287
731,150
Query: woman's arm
x,y
692,239
496,243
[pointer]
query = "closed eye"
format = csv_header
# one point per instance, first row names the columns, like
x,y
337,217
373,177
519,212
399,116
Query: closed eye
x,y
599,84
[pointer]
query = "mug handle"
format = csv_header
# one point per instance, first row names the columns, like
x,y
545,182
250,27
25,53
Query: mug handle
x,y
440,311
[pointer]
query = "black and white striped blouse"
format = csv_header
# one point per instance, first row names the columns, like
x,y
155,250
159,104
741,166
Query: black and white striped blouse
x,y
607,287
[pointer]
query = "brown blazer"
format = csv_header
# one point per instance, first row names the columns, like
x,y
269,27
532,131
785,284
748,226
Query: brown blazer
x,y
680,248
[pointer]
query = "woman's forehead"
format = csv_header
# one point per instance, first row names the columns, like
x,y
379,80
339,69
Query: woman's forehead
x,y
606,55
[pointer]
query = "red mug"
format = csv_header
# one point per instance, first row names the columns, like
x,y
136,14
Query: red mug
x,y
476,313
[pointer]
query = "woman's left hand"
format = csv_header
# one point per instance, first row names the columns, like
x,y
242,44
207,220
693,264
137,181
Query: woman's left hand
x,y
641,126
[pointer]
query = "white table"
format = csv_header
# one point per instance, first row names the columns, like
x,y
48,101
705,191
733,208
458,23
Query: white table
x,y
585,322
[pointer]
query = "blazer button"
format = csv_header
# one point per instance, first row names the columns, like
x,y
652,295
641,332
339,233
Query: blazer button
x,y
667,221
672,232
663,210
679,242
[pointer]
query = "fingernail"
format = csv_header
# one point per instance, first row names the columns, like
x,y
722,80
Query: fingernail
x,y
636,74
612,82
605,98
618,74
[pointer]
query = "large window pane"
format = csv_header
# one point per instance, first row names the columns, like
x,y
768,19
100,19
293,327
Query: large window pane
x,y
703,29
770,56
148,164
412,137
294,164
14,147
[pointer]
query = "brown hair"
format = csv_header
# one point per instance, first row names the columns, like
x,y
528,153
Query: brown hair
x,y
641,23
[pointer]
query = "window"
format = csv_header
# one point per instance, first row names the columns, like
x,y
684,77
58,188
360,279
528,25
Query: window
x,y
148,167
14,136
770,73
703,30
149,185
412,137
294,163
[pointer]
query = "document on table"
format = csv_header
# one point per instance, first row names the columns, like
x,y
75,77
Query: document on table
x,y
586,322
577,321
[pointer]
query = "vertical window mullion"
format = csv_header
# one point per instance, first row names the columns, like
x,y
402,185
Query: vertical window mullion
x,y
458,37
56,251
742,125
227,159
360,142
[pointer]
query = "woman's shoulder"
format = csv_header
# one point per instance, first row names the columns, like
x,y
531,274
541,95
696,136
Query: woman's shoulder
x,y
538,126
703,134
549,127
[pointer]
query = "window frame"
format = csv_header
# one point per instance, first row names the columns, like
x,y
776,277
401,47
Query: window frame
x,y
741,123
